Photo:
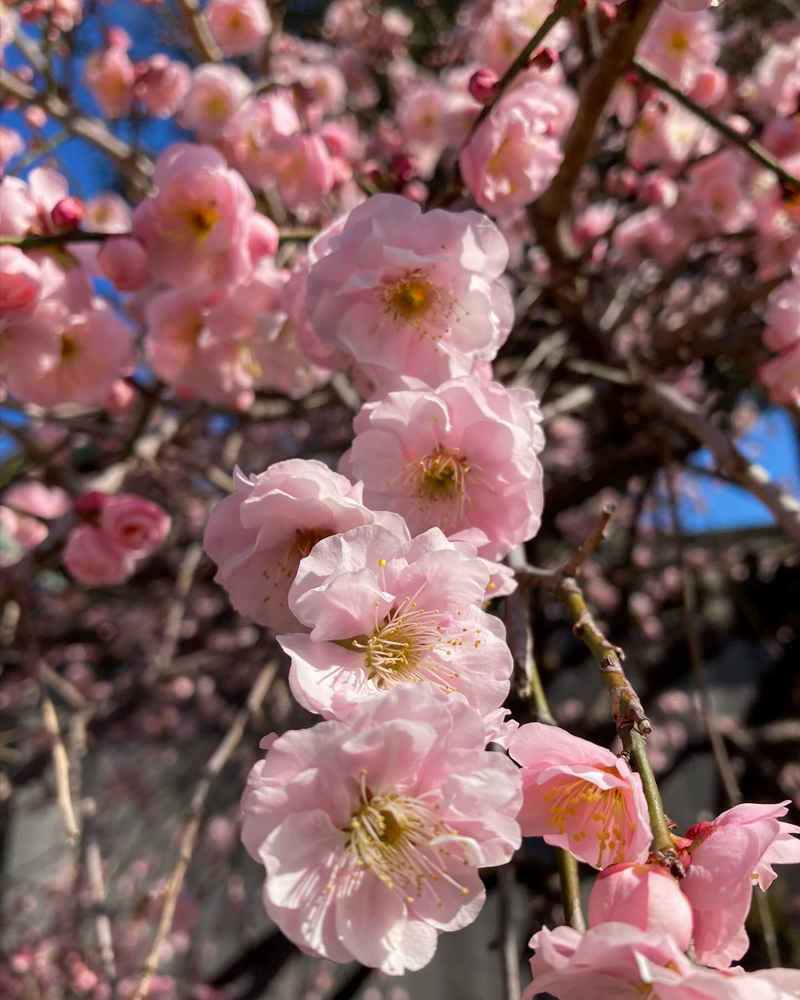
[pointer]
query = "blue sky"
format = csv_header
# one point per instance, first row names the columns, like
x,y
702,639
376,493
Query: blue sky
x,y
704,505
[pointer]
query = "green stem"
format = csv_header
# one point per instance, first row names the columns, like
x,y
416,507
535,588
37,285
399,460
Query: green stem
x,y
753,149
522,60
570,890
40,241
633,743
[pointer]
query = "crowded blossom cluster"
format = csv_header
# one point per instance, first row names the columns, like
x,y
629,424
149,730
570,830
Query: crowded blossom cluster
x,y
404,298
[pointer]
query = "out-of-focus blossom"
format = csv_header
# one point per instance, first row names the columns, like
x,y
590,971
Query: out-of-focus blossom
x,y
94,560
20,283
680,44
162,84
110,76
123,260
33,497
239,26
215,94
134,524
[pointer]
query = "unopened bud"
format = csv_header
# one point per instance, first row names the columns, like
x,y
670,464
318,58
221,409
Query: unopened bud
x,y
402,168
67,214
483,85
545,58
88,506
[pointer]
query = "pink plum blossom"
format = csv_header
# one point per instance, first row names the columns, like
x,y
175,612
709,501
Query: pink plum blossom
x,y
107,213
94,560
617,961
513,156
123,260
406,293
463,455
94,349
195,227
162,84
216,92
33,497
680,44
239,26
20,283
778,76
303,170
580,796
134,524
251,133
783,316
383,611
646,896
259,534
499,38
726,857
110,76
11,145
18,535
371,831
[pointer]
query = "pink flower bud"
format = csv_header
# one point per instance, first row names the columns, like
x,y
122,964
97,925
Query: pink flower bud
x,y
622,183
483,85
545,58
67,214
658,189
416,191
35,117
120,397
88,506
402,168
709,87
123,260
645,896
262,237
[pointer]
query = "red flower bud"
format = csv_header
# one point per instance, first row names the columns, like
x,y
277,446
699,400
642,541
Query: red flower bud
x,y
483,85
67,214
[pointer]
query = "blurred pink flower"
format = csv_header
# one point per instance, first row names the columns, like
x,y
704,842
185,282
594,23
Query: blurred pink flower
x,y
20,283
134,524
93,559
239,26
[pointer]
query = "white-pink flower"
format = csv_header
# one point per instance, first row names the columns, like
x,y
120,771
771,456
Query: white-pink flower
x,y
259,534
513,156
239,26
33,497
372,831
680,44
110,76
783,316
778,76
461,456
781,376
195,227
162,84
383,611
412,294
580,796
303,170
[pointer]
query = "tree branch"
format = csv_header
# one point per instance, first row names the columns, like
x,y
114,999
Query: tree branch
x,y
198,28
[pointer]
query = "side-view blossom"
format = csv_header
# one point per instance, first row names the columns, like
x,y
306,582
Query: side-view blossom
x,y
110,76
617,961
513,156
461,456
94,560
726,857
412,294
372,831
383,611
259,534
580,796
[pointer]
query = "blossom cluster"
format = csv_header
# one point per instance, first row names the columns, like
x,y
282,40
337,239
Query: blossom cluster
x,y
279,247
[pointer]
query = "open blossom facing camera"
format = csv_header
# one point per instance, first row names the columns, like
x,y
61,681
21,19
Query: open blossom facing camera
x,y
580,796
383,611
372,831
412,294
258,536
195,227
725,859
239,26
457,457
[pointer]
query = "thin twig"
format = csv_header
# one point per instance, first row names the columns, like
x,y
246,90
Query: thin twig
x,y
753,149
509,952
175,613
522,61
751,477
198,28
60,767
570,889
39,241
97,887
194,816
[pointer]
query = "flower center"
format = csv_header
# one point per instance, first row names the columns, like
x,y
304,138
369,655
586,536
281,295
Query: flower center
x,y
679,41
202,219
439,484
69,348
410,298
304,541
250,365
392,835
603,811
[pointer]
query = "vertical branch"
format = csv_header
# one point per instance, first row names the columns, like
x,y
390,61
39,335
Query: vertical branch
x,y
198,28
509,953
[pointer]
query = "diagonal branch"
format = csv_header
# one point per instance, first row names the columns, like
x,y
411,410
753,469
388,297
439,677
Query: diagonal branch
x,y
198,28
751,477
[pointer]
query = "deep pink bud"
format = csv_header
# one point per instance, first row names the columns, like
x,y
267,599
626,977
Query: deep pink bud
x,y
658,189
67,214
545,58
483,85
402,168
622,183
88,506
